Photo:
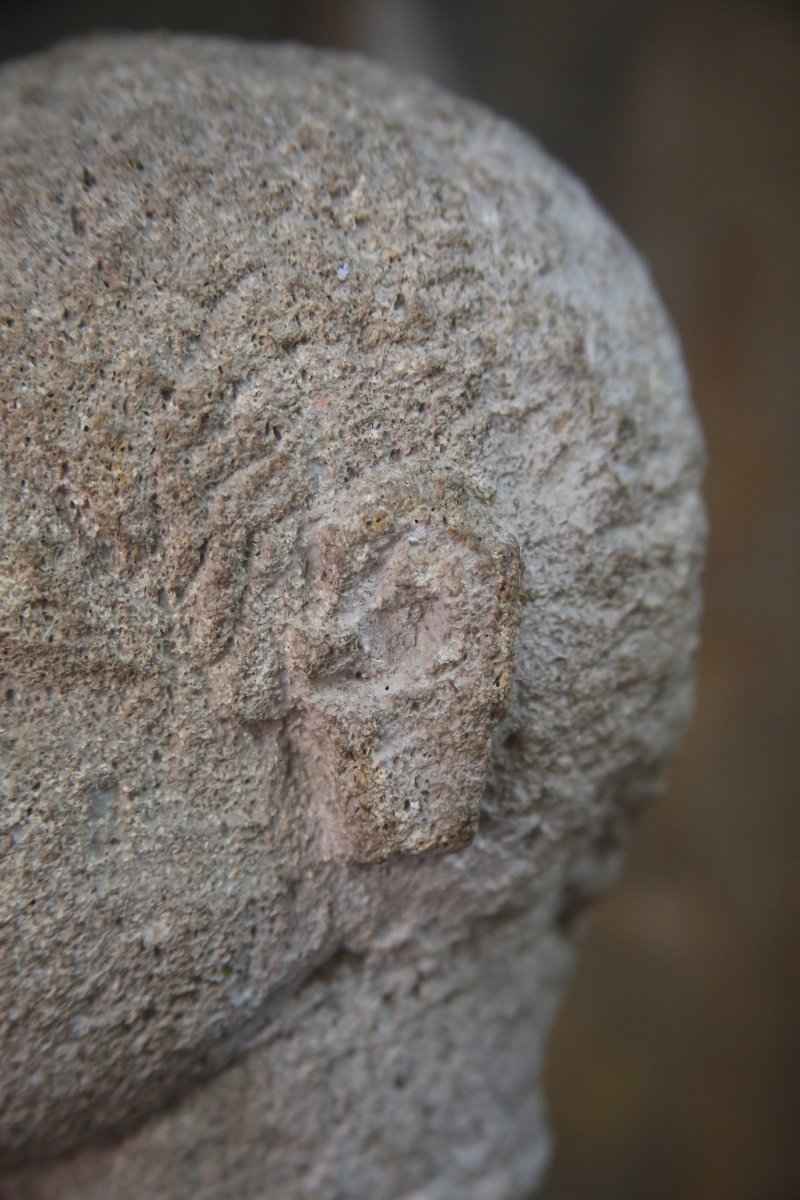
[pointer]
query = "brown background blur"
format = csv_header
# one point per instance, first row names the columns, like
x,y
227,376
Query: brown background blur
x,y
674,1068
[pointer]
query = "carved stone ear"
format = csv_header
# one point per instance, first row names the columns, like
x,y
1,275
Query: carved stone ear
x,y
386,632
403,662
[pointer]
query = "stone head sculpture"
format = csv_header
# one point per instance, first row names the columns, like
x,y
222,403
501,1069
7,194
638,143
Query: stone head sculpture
x,y
351,537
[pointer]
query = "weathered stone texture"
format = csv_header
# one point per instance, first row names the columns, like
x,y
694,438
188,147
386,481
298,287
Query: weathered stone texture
x,y
350,550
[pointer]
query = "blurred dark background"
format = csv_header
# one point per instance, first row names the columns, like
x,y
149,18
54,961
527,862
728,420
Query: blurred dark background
x,y
674,1069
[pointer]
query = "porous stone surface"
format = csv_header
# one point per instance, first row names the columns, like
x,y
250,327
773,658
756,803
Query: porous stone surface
x,y
350,550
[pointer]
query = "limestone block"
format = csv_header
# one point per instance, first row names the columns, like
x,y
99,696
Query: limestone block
x,y
351,535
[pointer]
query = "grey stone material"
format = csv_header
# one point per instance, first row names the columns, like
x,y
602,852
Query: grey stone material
x,y
351,535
